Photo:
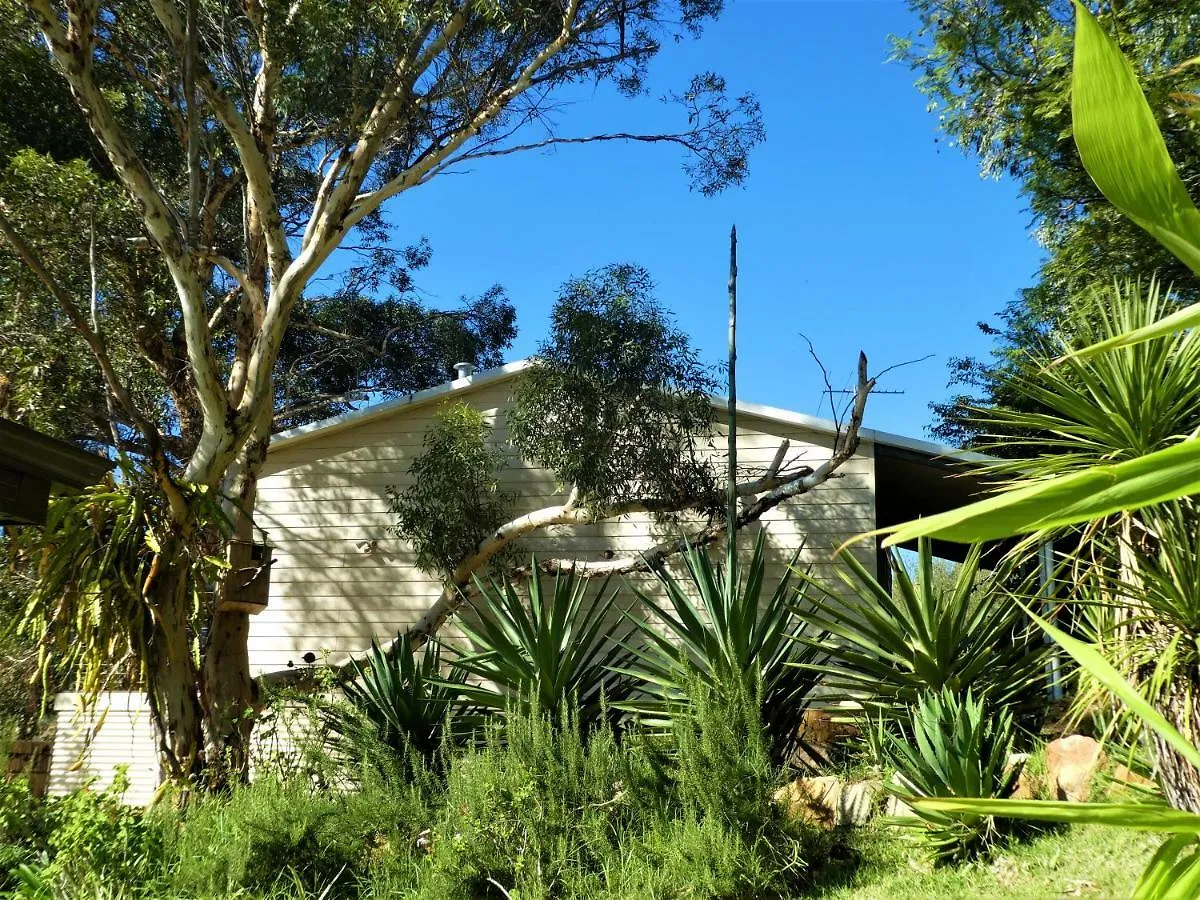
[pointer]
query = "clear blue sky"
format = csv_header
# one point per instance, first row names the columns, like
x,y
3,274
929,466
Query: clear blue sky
x,y
855,226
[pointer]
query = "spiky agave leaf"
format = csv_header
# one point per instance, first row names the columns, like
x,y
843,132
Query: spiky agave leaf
x,y
400,702
885,651
555,643
954,745
747,638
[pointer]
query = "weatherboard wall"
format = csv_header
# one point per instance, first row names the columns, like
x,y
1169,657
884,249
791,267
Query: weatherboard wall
x,y
320,497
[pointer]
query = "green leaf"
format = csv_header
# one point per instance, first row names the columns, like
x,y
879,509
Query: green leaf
x,y
1124,152
1082,496
1135,816
1102,670
1188,317
1121,146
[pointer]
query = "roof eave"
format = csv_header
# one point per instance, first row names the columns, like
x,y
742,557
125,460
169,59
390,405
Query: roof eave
x,y
303,433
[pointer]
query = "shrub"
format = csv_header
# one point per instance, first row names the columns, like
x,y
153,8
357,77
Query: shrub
x,y
888,651
24,828
952,746
271,835
559,649
755,644
398,711
86,839
533,809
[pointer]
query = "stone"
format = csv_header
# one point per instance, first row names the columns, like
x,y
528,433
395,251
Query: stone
x,y
895,808
857,804
814,800
1071,766
820,732
1028,787
1122,774
827,801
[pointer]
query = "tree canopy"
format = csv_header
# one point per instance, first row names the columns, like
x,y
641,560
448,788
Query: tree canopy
x,y
997,73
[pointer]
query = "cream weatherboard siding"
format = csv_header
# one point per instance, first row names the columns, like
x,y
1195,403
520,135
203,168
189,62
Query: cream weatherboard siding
x,y
90,743
323,492
323,495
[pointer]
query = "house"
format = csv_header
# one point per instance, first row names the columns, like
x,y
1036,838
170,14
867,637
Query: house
x,y
340,578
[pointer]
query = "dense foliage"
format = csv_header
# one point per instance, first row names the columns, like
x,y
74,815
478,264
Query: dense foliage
x,y
617,401
746,637
997,73
454,500
888,648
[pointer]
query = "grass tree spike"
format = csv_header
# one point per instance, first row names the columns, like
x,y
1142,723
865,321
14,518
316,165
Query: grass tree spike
x,y
731,488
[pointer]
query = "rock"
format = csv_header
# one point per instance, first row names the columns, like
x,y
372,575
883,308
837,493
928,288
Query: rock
x,y
895,808
857,803
820,731
1071,766
1028,787
813,800
827,801
1122,774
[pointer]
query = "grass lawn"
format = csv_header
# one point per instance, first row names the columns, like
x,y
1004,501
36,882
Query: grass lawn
x,y
1088,861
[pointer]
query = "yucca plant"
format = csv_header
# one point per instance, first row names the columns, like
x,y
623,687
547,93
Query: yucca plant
x,y
747,638
952,745
553,645
886,650
399,702
1174,871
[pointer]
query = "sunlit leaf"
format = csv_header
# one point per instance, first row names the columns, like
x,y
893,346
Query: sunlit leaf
x,y
1104,672
1066,500
1135,816
1124,152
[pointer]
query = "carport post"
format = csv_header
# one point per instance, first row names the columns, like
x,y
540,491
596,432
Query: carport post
x,y
1048,585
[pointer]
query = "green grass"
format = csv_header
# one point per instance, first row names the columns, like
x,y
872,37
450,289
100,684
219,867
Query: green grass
x,y
1089,861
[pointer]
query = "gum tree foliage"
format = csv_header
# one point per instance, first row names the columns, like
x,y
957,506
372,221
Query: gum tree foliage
x,y
241,146
617,402
618,406
997,73
454,501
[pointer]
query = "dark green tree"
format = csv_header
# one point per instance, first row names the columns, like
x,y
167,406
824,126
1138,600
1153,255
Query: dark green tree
x,y
619,406
997,74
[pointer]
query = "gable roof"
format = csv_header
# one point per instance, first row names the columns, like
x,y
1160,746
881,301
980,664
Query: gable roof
x,y
462,386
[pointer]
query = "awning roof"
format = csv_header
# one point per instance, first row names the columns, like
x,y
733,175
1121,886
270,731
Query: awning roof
x,y
913,482
31,463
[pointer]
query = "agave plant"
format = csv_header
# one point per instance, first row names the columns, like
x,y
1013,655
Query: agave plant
x,y
1174,871
743,637
954,745
560,647
397,701
889,650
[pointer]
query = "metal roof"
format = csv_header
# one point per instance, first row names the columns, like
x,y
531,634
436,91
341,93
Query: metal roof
x,y
294,436
31,463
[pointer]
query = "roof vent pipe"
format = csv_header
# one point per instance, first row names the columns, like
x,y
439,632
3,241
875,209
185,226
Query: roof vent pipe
x,y
464,369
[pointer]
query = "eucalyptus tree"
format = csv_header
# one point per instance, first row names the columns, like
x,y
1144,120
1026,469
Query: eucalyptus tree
x,y
280,129
618,405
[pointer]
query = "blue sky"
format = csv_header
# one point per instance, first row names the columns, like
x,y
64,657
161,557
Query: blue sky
x,y
855,226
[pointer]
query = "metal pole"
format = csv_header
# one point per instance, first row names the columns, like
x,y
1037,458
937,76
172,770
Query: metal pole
x,y
1048,589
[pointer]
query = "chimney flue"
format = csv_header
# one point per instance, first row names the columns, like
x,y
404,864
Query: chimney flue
x,y
464,369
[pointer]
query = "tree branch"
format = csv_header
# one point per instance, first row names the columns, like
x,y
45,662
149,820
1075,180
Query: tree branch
x,y
95,341
768,492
